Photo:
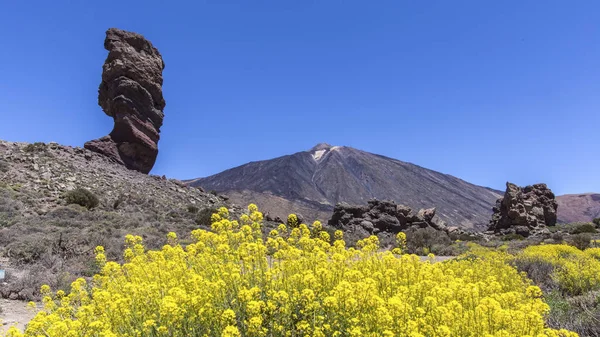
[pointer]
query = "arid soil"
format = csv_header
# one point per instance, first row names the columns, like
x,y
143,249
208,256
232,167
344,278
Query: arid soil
x,y
14,313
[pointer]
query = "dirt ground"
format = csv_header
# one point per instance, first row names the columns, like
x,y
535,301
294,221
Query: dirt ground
x,y
14,313
437,258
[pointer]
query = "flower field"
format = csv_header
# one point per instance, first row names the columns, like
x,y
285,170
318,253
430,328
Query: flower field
x,y
575,271
298,281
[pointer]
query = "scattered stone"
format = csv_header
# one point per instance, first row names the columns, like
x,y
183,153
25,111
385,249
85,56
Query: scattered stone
x,y
131,93
524,211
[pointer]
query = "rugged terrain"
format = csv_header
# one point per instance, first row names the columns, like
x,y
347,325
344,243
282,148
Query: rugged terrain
x,y
578,207
48,241
524,210
312,182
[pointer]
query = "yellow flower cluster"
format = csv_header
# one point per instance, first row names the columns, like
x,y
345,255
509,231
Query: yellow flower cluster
x,y
576,271
295,282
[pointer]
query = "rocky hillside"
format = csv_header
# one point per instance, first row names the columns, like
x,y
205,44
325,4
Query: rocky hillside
x,y
47,241
578,207
312,182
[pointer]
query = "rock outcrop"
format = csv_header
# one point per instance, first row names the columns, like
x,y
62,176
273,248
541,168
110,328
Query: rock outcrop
x,y
524,211
382,216
131,93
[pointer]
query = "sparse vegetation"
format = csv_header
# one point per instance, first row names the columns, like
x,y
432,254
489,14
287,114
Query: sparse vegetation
x,y
118,201
203,216
296,281
579,313
3,166
584,228
557,237
424,241
581,241
192,209
35,147
82,197
512,236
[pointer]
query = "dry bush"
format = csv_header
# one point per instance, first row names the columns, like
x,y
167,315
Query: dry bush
x,y
35,147
580,313
203,216
584,228
82,197
581,241
540,272
423,241
57,247
4,166
557,237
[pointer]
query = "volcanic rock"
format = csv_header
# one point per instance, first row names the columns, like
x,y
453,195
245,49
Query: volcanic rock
x,y
524,211
131,93
382,216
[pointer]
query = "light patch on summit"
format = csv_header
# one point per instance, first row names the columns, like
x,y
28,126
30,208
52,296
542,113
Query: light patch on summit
x,y
318,154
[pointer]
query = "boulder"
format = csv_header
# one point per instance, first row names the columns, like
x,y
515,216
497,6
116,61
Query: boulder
x,y
524,211
131,93
382,217
404,210
427,214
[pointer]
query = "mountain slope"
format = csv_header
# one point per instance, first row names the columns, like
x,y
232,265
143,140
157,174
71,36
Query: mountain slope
x,y
319,178
578,207
43,240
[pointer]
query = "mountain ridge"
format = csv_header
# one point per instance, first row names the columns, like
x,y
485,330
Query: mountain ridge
x,y
328,174
307,187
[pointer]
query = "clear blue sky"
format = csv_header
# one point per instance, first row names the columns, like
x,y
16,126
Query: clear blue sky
x,y
488,91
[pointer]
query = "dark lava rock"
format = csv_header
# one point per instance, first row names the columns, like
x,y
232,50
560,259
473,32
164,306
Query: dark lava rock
x,y
524,211
131,93
382,216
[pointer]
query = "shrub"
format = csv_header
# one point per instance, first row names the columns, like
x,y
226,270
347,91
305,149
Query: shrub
x,y
539,271
596,221
580,314
423,241
203,216
512,237
231,282
192,209
557,237
581,241
584,228
3,166
82,197
35,147
292,221
463,237
118,201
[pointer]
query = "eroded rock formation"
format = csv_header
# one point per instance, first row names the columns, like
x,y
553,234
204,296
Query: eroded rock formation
x,y
382,216
131,93
524,211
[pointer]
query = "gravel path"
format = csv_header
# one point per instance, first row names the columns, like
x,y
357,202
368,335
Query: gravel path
x,y
14,313
437,258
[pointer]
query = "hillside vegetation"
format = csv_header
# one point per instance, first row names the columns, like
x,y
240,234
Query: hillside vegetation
x,y
297,282
58,203
95,234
